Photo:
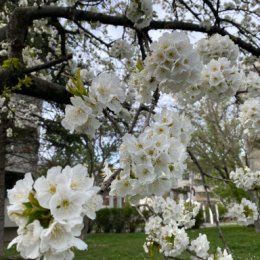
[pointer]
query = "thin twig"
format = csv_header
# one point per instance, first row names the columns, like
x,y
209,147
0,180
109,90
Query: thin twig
x,y
140,108
105,185
113,121
156,96
47,65
202,173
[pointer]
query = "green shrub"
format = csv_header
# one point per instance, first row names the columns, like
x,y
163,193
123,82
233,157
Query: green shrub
x,y
222,210
199,220
103,220
118,220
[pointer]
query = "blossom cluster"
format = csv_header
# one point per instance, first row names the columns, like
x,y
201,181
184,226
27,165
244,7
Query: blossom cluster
x,y
173,66
249,116
221,255
153,162
252,83
140,12
183,213
121,49
245,178
106,91
166,230
245,213
17,110
200,246
220,79
49,212
217,46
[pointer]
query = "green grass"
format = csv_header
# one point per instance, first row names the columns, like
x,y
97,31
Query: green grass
x,y
244,243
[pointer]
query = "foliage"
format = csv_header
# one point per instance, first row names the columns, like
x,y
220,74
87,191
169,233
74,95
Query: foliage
x,y
118,220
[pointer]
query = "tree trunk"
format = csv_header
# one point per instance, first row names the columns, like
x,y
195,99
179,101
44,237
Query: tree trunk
x,y
85,229
254,164
2,180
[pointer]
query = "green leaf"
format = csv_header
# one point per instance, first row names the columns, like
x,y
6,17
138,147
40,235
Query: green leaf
x,y
139,65
12,63
78,88
154,249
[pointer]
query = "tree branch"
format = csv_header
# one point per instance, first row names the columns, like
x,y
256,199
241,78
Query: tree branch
x,y
34,13
46,90
202,174
105,185
47,64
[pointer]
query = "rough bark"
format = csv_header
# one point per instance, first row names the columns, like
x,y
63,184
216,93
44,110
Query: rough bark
x,y
254,164
2,180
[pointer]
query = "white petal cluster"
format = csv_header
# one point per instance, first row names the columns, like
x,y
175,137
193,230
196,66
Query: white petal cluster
x,y
249,116
153,162
140,12
80,116
217,46
200,246
245,212
183,213
245,178
220,80
173,66
252,83
165,229
221,255
121,49
106,91
169,239
17,197
174,240
50,211
2,101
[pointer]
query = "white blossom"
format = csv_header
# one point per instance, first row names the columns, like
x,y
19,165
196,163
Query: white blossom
x,y
217,46
108,91
66,204
76,115
249,116
200,246
9,132
220,80
140,13
221,255
245,178
59,238
173,240
173,66
50,212
121,49
252,83
20,192
46,187
245,213
153,162
28,240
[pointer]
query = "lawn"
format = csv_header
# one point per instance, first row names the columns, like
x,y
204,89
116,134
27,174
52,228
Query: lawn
x,y
244,243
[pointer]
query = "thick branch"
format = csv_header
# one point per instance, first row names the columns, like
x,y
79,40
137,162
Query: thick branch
x,y
47,90
34,13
